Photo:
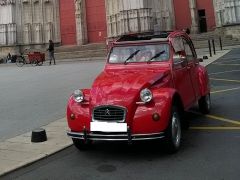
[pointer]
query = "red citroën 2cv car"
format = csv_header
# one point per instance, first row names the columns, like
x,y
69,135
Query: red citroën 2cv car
x,y
147,84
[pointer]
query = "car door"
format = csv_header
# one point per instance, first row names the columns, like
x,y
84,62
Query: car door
x,y
181,74
192,65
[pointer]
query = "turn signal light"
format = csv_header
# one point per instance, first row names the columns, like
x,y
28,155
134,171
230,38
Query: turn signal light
x,y
72,116
156,117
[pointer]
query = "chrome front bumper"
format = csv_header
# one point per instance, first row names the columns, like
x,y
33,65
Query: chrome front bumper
x,y
99,136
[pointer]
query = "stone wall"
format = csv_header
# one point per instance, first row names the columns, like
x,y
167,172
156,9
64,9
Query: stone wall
x,y
7,22
28,23
81,25
228,17
227,12
133,16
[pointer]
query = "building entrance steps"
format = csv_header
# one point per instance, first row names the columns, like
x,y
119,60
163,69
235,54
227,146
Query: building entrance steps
x,y
201,40
84,51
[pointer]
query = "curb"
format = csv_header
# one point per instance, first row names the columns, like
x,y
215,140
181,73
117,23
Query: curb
x,y
19,151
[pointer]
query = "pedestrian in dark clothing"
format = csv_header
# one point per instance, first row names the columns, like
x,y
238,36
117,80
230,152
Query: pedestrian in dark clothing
x,y
51,52
188,31
9,58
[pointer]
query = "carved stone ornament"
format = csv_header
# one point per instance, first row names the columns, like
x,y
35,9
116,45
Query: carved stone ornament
x,y
25,1
35,1
11,1
78,5
3,2
47,1
7,2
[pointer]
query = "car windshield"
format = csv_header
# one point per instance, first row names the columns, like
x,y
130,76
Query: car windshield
x,y
139,53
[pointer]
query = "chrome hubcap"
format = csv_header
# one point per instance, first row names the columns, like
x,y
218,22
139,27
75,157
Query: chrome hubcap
x,y
176,130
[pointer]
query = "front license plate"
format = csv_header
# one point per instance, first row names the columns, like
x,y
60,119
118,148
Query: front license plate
x,y
108,127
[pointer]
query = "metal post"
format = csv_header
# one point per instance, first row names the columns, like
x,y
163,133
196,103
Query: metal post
x,y
210,49
220,42
213,44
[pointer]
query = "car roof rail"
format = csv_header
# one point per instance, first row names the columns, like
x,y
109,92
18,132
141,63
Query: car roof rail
x,y
144,36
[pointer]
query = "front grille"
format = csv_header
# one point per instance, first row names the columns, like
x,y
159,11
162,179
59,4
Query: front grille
x,y
109,114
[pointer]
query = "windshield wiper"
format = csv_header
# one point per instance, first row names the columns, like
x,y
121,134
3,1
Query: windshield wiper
x,y
131,56
156,55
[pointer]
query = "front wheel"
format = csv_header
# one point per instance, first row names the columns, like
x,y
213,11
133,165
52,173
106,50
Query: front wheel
x,y
204,104
20,61
174,133
33,62
81,145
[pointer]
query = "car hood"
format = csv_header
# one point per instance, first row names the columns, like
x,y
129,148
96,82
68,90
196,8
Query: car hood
x,y
122,87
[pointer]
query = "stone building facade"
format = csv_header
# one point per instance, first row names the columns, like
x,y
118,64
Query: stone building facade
x,y
31,23
228,17
101,20
132,16
28,24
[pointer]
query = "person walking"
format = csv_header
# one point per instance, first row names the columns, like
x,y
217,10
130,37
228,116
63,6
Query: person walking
x,y
51,52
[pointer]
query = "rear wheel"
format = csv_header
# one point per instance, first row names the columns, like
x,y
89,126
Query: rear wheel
x,y
20,61
174,132
204,104
81,145
33,63
39,62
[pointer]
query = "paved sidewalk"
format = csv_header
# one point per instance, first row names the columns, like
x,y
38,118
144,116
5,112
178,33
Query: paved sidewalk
x,y
205,62
19,151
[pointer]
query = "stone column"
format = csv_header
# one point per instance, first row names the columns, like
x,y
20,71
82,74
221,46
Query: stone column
x,y
12,32
171,15
56,22
194,16
37,33
238,11
48,31
27,35
81,25
3,34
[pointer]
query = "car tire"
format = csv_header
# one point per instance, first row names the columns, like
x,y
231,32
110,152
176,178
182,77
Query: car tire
x,y
204,104
33,63
173,133
39,62
81,145
19,62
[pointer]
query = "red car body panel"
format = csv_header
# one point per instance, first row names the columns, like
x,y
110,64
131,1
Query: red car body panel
x,y
120,85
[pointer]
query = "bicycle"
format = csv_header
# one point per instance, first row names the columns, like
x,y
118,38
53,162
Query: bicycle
x,y
35,58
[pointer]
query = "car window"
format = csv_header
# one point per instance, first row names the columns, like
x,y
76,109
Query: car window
x,y
139,53
177,44
179,50
188,51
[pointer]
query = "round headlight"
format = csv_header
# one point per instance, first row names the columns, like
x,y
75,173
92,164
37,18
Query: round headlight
x,y
78,96
146,95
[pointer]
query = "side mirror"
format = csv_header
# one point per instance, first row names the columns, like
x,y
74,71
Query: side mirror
x,y
177,59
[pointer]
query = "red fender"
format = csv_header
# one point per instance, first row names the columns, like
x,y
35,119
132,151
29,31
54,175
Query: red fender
x,y
161,104
204,83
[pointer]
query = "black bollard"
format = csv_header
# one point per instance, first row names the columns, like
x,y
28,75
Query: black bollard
x,y
39,135
213,44
220,42
210,49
